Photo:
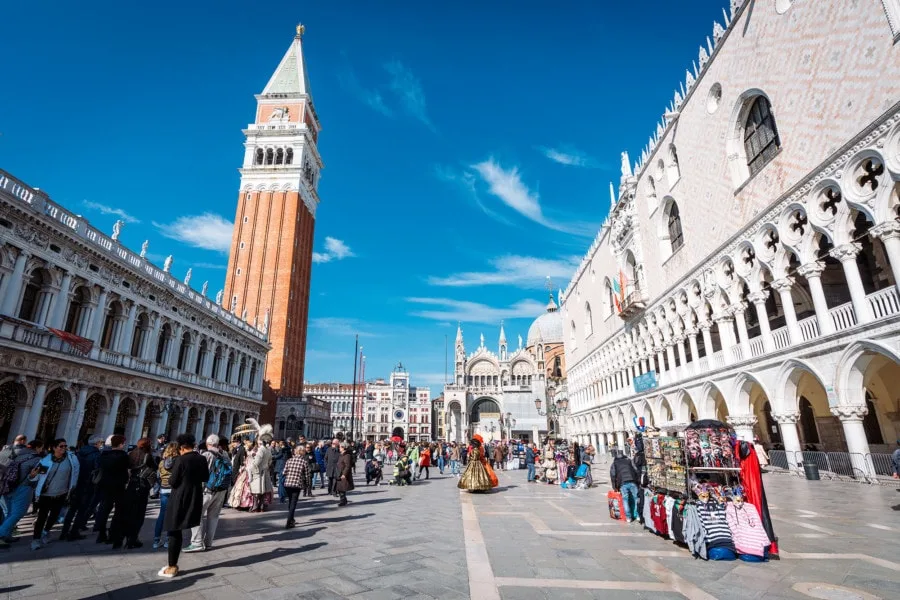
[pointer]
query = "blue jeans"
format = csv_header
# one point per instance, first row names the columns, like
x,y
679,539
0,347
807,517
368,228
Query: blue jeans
x,y
163,503
282,495
17,503
530,471
441,464
630,499
454,467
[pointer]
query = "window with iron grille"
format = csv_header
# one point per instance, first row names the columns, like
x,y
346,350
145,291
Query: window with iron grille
x,y
761,141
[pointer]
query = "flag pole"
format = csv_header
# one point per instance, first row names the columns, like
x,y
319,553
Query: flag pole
x,y
353,393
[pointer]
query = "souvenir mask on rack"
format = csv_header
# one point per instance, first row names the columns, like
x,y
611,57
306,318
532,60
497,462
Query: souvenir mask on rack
x,y
738,500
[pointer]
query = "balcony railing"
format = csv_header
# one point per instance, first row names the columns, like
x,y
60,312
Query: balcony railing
x,y
46,342
884,303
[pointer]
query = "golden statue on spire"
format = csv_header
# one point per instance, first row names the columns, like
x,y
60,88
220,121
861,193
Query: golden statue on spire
x,y
300,29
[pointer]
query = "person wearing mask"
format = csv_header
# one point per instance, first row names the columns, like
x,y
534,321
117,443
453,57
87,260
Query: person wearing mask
x,y
189,473
20,491
84,501
57,477
332,458
113,477
164,471
624,478
214,491
259,464
345,470
296,479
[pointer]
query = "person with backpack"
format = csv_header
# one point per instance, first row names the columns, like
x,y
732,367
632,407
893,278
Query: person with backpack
x,y
84,501
165,490
6,457
215,489
19,490
127,523
111,479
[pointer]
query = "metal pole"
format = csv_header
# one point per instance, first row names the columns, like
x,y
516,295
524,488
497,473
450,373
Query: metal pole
x,y
353,392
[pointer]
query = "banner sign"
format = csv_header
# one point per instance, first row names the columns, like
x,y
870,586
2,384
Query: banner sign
x,y
645,382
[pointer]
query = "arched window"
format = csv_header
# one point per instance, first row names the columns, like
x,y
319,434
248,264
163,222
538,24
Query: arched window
x,y
761,141
289,156
588,320
610,299
279,156
270,156
674,171
676,237
258,159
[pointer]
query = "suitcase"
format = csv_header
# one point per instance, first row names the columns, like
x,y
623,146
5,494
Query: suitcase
x,y
616,505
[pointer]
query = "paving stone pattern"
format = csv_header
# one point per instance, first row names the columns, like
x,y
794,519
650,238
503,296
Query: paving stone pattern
x,y
542,542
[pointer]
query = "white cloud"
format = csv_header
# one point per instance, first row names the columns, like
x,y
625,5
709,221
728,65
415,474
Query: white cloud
x,y
208,265
466,182
109,210
519,271
569,157
339,326
474,312
372,98
208,231
408,90
335,249
507,185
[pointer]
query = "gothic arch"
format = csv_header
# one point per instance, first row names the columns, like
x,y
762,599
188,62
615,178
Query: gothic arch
x,y
742,403
851,369
786,383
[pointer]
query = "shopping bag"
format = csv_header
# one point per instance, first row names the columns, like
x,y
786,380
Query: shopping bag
x,y
581,473
616,505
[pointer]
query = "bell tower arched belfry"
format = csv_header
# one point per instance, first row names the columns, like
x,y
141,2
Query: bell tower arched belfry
x,y
270,263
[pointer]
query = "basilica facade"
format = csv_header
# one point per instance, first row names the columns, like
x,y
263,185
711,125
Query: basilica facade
x,y
493,393
749,265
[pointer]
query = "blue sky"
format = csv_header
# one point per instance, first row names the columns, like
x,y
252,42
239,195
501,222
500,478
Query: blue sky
x,y
468,146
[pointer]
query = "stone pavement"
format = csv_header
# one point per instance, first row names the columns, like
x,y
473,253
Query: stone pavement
x,y
524,541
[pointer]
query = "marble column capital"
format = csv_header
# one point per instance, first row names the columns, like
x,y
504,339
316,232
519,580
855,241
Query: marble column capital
x,y
784,284
846,252
850,412
787,418
887,230
759,297
812,270
742,420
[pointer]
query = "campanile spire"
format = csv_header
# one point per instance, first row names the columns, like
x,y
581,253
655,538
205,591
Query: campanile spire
x,y
270,262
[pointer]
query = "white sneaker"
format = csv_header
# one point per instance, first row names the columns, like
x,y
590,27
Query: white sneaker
x,y
194,548
36,545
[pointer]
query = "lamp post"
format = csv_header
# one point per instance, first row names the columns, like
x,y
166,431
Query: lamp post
x,y
555,411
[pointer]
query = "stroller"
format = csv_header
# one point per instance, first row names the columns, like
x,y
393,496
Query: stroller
x,y
373,472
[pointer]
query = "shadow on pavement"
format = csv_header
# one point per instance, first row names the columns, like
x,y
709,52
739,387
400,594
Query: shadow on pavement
x,y
142,590
341,519
15,588
285,534
375,501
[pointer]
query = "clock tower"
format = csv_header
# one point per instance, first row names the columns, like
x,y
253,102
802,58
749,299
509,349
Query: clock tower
x,y
270,263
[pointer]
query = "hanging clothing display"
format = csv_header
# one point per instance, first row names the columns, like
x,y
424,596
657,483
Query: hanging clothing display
x,y
718,534
746,529
754,492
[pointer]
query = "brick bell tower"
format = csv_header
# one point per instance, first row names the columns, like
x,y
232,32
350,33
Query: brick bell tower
x,y
269,266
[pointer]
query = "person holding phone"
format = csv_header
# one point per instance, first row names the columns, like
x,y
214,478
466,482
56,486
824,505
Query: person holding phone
x,y
57,476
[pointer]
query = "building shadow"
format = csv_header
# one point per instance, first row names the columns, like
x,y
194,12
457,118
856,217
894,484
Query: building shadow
x,y
142,590
14,588
341,519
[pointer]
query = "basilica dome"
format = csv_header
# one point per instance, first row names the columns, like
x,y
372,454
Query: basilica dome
x,y
547,328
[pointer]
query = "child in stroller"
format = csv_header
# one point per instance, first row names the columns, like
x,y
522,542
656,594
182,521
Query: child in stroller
x,y
373,472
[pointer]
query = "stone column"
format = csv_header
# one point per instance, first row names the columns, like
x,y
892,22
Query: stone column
x,y
201,422
14,288
127,335
889,234
183,421
813,273
787,424
109,423
58,317
98,318
851,417
783,287
743,426
695,350
137,428
34,413
765,330
171,358
670,355
151,341
620,440
77,418
682,355
744,338
726,336
651,361
847,255
705,327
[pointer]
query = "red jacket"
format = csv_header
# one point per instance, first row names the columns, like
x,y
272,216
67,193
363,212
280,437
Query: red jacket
x,y
425,458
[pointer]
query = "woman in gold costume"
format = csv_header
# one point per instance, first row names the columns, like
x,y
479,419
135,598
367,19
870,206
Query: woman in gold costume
x,y
477,476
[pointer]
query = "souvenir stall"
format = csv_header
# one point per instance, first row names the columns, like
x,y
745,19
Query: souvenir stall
x,y
704,491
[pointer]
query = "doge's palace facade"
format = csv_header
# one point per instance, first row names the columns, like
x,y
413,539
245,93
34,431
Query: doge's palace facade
x,y
748,268
96,339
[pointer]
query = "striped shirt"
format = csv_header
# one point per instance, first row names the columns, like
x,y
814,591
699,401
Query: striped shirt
x,y
718,534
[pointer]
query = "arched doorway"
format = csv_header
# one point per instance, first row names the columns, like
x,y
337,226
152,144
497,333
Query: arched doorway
x,y
397,432
54,404
193,418
485,419
454,423
127,412
12,399
95,406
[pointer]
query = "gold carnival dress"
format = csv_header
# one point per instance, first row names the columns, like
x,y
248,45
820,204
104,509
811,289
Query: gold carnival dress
x,y
475,478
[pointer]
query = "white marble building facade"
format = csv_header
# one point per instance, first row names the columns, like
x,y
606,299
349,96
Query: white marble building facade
x,y
394,407
96,339
751,255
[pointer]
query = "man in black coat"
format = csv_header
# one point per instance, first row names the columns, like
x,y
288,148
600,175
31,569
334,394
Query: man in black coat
x,y
113,467
189,472
332,470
